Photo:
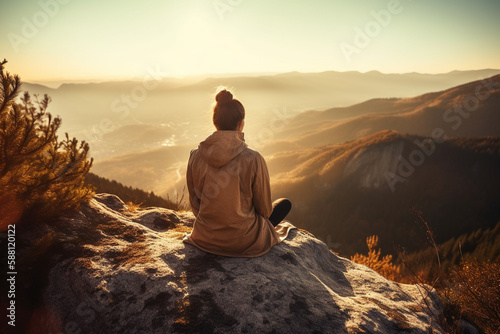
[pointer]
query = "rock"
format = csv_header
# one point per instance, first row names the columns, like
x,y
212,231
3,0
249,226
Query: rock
x,y
125,272
370,164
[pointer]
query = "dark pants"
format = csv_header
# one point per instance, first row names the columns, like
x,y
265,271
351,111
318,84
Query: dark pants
x,y
281,207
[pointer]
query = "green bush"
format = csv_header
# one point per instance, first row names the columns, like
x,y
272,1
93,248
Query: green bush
x,y
41,176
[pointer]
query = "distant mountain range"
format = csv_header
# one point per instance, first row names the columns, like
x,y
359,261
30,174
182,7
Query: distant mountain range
x,y
182,107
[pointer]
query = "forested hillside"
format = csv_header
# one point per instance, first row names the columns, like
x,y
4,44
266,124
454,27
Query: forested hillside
x,y
129,194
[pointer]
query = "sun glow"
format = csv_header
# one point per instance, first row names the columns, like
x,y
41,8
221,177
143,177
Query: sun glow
x,y
121,39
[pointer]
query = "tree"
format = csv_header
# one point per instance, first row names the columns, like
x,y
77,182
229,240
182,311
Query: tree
x,y
41,176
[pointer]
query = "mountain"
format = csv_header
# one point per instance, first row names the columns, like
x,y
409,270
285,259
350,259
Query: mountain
x,y
109,270
346,192
470,109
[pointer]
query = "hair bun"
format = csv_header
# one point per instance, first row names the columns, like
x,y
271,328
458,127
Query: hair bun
x,y
224,96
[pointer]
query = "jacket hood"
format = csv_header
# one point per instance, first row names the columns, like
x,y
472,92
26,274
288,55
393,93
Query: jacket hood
x,y
221,147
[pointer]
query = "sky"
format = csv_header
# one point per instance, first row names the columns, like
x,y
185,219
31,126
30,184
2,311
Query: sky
x,y
118,39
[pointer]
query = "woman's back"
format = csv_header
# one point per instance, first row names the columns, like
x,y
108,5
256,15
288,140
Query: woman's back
x,y
227,176
230,195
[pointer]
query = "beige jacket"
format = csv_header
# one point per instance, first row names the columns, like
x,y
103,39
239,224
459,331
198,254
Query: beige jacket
x,y
230,196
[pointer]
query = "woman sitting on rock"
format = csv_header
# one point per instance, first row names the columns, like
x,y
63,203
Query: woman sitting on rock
x,y
229,190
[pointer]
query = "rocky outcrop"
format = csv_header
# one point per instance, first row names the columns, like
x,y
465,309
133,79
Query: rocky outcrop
x,y
129,272
370,165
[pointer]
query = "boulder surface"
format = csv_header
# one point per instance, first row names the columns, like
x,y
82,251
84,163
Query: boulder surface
x,y
122,271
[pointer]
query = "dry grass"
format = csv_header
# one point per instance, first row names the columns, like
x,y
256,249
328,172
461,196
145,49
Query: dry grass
x,y
382,265
473,289
132,207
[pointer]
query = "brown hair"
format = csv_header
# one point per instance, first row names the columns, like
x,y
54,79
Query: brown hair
x,y
228,112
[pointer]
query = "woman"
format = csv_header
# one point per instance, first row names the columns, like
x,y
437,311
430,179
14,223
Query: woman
x,y
229,190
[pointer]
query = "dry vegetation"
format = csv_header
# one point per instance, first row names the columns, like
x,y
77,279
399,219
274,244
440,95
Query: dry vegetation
x,y
382,265
473,288
469,290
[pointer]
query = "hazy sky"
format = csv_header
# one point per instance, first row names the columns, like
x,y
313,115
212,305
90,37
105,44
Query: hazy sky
x,y
82,39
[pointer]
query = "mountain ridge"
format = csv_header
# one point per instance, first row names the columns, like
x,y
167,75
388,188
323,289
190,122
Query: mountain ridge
x,y
479,72
418,115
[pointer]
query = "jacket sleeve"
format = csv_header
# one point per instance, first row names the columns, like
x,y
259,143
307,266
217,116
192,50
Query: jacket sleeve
x,y
193,199
261,189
